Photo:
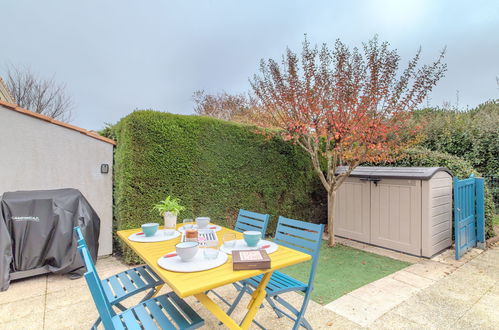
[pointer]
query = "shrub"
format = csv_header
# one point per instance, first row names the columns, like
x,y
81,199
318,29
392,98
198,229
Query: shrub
x,y
461,168
472,135
214,167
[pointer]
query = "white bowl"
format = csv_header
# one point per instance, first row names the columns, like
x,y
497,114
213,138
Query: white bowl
x,y
187,250
202,222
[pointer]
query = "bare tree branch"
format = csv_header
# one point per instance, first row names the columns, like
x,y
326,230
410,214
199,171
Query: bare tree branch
x,y
44,96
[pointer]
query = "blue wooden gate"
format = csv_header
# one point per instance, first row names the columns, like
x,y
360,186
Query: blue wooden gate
x,y
469,225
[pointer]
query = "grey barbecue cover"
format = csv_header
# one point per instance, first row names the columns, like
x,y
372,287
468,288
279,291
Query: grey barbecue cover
x,y
36,230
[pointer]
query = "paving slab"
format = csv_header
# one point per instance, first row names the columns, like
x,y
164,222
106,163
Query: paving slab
x,y
431,310
26,309
33,320
24,289
459,286
466,299
430,269
356,310
412,279
483,315
392,321
385,293
448,257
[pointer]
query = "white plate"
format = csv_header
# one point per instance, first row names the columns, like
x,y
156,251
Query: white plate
x,y
197,264
217,227
241,245
158,237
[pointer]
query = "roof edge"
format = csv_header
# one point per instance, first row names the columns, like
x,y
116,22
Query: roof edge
x,y
51,120
374,174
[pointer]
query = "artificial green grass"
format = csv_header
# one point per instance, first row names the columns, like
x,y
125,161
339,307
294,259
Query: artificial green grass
x,y
342,269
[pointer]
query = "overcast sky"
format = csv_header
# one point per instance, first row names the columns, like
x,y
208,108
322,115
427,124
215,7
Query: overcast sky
x,y
116,56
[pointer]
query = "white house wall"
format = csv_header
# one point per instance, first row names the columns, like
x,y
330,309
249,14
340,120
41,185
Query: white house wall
x,y
38,155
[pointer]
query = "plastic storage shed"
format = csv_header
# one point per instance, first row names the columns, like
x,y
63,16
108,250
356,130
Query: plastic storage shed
x,y
407,209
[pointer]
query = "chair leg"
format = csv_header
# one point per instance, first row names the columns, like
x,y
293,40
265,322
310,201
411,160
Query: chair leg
x,y
274,307
237,300
298,315
305,324
237,286
301,315
96,324
219,297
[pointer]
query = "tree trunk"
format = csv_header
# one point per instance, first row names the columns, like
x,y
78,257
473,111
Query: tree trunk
x,y
331,196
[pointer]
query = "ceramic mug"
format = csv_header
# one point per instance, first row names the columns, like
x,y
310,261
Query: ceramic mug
x,y
202,222
252,237
187,250
149,229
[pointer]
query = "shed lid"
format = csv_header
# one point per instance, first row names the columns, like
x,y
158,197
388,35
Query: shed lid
x,y
414,173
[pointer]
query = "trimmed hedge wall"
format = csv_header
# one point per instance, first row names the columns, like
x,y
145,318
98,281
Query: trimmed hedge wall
x,y
215,167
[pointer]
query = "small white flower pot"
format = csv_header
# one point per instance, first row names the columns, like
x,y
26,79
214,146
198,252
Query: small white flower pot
x,y
170,220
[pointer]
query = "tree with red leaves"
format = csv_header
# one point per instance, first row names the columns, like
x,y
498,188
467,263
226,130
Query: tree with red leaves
x,y
343,106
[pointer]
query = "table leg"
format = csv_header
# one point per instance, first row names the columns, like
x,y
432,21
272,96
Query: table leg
x,y
256,300
253,306
156,290
217,311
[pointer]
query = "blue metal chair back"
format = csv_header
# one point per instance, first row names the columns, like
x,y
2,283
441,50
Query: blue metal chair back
x,y
302,236
79,236
247,220
94,283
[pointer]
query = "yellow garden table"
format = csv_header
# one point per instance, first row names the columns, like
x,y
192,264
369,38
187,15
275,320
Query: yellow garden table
x,y
197,283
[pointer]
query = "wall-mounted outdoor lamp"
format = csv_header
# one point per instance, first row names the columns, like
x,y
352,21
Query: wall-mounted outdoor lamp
x,y
104,168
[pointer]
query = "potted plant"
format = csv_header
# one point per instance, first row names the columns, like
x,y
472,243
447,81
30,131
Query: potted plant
x,y
169,210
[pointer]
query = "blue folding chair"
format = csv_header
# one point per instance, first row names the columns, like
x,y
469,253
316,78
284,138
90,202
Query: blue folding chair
x,y
128,283
167,311
302,236
247,220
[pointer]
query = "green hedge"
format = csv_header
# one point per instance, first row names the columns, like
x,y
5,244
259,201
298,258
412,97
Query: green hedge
x,y
461,168
472,135
214,167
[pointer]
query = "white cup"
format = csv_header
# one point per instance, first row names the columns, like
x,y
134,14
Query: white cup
x,y
202,222
187,250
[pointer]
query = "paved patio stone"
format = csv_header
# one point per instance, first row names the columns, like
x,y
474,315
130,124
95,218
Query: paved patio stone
x,y
430,269
412,279
431,311
392,321
26,309
356,310
23,289
448,257
385,293
32,320
484,314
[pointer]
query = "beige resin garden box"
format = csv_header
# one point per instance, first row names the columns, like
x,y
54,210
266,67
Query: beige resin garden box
x,y
407,209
